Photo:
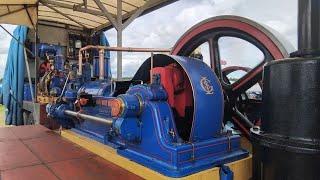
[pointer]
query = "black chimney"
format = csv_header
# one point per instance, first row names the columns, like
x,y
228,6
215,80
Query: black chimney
x,y
287,145
308,29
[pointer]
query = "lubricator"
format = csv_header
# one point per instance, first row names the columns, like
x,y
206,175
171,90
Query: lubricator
x,y
167,118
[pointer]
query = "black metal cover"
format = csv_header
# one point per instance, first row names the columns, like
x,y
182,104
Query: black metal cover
x,y
288,143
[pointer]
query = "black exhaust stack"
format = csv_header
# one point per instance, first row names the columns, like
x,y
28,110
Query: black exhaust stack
x,y
308,28
287,145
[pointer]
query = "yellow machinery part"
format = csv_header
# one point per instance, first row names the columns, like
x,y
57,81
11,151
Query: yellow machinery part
x,y
46,99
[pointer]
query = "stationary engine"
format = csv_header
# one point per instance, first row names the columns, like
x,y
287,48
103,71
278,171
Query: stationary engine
x,y
174,115
168,119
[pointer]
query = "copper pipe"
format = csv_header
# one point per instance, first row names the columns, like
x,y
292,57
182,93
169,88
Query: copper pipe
x,y
101,64
80,64
124,49
151,64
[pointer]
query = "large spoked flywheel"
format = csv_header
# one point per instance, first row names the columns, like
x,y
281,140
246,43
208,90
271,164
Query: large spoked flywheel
x,y
238,104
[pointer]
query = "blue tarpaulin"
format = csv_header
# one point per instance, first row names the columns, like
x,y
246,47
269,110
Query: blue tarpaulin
x,y
13,79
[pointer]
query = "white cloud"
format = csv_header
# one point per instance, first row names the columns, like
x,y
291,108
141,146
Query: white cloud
x,y
163,27
5,39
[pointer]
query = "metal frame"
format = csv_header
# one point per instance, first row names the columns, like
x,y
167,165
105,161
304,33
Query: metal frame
x,y
63,14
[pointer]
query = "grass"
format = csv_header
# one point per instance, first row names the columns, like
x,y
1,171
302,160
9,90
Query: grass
x,y
2,115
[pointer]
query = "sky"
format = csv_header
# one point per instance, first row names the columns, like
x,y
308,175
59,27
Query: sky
x,y
163,27
4,46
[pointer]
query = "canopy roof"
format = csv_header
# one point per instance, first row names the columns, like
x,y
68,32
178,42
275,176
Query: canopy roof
x,y
84,14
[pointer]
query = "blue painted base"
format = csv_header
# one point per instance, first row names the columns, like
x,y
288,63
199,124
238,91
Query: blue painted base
x,y
145,131
175,172
172,160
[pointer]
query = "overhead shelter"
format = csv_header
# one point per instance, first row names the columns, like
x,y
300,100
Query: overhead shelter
x,y
89,15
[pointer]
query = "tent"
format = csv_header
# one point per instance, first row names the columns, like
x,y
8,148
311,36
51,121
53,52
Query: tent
x,y
85,14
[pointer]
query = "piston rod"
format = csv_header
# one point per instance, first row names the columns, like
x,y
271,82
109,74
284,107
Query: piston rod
x,y
107,121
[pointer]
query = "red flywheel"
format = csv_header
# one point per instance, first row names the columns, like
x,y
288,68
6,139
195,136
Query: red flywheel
x,y
211,30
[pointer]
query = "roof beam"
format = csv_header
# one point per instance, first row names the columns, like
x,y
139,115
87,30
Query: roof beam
x,y
11,12
58,11
74,7
157,5
26,8
72,15
138,12
106,13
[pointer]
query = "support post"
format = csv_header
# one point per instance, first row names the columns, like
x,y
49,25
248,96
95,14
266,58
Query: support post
x,y
119,39
106,13
35,113
35,63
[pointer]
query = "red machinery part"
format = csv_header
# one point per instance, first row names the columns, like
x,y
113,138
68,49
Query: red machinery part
x,y
263,35
208,30
115,104
276,49
43,68
176,83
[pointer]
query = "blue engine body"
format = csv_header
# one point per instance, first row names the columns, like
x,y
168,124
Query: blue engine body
x,y
146,132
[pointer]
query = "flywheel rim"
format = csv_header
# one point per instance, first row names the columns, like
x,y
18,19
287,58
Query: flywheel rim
x,y
263,38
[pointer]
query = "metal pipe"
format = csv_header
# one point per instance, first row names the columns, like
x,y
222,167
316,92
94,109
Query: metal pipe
x,y
119,39
101,64
243,118
123,49
151,67
35,64
309,27
107,121
35,115
64,86
80,63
